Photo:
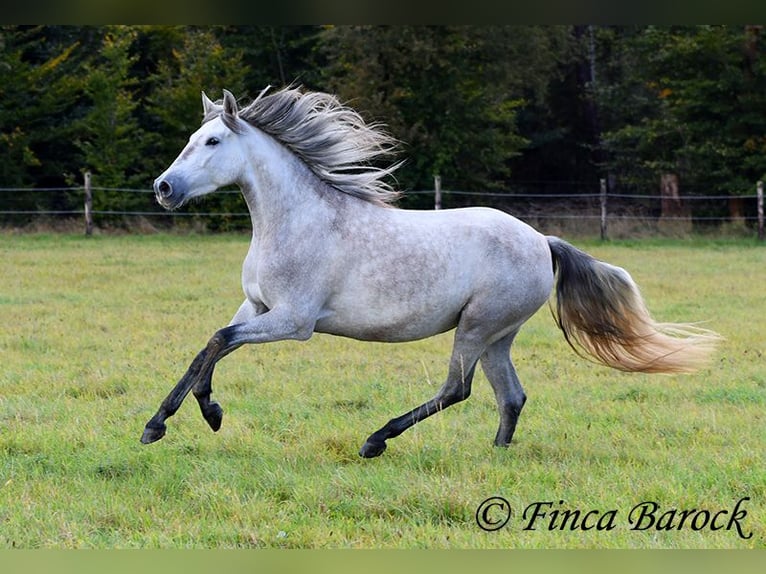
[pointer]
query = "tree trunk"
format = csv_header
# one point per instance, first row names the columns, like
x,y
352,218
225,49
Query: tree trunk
x,y
737,210
675,218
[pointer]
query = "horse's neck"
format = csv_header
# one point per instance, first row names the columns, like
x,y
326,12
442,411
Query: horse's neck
x,y
285,197
266,183
282,193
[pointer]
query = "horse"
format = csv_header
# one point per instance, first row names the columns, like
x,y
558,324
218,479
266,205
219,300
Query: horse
x,y
331,253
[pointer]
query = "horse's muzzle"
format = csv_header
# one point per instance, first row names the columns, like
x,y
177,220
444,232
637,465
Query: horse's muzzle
x,y
167,195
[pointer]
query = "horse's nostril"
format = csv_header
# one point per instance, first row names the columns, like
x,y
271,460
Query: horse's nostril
x,y
165,189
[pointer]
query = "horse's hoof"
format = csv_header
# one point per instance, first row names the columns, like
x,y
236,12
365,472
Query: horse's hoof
x,y
372,449
213,415
153,433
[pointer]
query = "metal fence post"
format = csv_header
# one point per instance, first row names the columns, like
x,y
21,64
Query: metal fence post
x,y
603,208
88,205
759,190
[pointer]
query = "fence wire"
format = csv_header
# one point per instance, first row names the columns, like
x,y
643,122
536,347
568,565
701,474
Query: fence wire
x,y
705,209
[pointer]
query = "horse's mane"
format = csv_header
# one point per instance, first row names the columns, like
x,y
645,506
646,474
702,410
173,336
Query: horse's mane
x,y
332,139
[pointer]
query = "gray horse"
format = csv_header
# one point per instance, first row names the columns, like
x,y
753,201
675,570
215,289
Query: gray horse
x,y
329,254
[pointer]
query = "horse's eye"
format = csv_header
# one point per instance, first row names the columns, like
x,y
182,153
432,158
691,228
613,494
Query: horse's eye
x,y
212,141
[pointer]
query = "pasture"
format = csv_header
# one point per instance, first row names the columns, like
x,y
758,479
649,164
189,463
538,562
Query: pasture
x,y
94,332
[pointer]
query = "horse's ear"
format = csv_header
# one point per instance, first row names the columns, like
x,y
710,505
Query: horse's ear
x,y
230,107
207,104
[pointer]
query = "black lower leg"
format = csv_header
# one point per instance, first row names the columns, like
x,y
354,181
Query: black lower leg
x,y
155,428
508,420
211,410
509,393
376,442
449,395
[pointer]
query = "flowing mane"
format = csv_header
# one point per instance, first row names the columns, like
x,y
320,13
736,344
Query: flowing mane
x,y
333,140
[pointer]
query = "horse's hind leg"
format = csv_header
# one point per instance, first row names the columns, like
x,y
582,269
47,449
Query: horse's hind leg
x,y
498,368
465,355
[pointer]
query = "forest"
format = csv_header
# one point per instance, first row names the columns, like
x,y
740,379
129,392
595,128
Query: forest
x,y
509,109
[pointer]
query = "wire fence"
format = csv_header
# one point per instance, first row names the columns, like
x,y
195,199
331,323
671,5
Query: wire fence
x,y
597,212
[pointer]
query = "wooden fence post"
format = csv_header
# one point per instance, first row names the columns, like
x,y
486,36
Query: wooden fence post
x,y
437,192
759,189
602,194
88,205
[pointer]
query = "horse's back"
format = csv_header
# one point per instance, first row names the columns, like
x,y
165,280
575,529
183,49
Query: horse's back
x,y
412,274
487,241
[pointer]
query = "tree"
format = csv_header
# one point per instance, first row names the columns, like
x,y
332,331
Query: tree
x,y
277,55
690,102
15,138
108,134
561,119
452,93
38,88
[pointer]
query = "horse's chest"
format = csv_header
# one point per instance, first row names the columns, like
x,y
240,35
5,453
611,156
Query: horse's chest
x,y
267,280
250,279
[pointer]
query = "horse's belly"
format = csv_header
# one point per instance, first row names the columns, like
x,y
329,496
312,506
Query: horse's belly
x,y
394,323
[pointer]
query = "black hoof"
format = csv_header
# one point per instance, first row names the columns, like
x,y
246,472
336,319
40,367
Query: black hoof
x,y
372,449
153,433
213,415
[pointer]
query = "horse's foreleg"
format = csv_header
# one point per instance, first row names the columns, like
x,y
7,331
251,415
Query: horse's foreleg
x,y
155,428
202,389
275,325
211,410
200,371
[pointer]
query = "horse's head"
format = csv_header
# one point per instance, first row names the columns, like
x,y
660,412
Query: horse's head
x,y
213,158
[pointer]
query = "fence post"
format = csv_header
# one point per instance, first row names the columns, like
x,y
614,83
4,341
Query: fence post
x,y
437,192
759,189
88,205
603,208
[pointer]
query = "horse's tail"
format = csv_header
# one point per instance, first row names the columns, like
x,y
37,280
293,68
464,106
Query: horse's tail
x,y
600,310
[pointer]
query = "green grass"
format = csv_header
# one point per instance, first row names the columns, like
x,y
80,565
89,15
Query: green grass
x,y
94,333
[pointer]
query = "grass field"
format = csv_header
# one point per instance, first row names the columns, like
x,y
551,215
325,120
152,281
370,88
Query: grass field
x,y
94,333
